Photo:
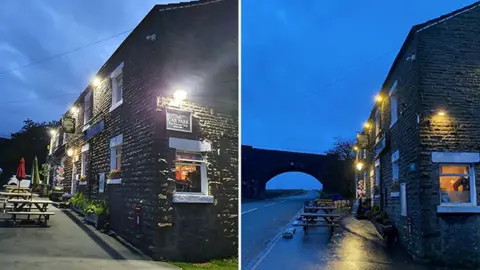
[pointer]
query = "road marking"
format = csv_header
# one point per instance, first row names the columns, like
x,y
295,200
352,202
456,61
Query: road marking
x,y
266,205
248,211
256,262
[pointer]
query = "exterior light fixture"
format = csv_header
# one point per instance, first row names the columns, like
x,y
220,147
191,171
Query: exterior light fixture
x,y
355,148
53,132
378,98
441,113
367,125
70,152
96,81
359,166
74,110
179,95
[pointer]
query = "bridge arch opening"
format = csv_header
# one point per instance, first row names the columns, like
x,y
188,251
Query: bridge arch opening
x,y
293,181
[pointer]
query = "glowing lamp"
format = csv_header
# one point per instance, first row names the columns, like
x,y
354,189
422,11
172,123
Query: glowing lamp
x,y
441,113
70,152
367,125
179,95
378,98
355,148
96,81
74,109
53,132
359,166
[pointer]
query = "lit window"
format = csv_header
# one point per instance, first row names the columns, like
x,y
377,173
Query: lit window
x,y
456,184
393,104
88,104
190,173
395,166
116,152
117,87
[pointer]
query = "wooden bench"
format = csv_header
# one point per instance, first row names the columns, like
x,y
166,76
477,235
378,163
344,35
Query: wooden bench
x,y
46,215
331,220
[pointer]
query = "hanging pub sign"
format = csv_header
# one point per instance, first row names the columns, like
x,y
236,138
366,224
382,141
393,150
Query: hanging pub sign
x,y
68,124
94,130
179,120
362,141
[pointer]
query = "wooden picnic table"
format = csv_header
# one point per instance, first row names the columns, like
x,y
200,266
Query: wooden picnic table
x,y
24,207
17,189
22,195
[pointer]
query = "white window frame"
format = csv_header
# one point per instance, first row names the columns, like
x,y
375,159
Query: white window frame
x,y
203,172
116,90
115,143
83,165
378,179
396,165
57,139
471,176
372,185
194,147
403,199
52,139
64,139
459,159
393,104
85,120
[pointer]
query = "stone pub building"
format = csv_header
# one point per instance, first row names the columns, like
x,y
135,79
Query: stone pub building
x,y
161,117
420,148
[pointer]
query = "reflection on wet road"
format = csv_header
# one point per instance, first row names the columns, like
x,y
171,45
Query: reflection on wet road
x,y
356,246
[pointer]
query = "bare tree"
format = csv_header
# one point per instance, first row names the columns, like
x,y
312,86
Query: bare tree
x,y
343,148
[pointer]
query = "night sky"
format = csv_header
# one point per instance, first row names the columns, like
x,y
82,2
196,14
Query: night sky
x,y
33,30
310,69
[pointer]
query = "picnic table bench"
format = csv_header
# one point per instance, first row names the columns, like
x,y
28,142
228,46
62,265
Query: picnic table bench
x,y
314,210
30,208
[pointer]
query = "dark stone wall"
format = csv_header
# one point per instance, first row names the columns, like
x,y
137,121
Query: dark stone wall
x,y
195,49
449,60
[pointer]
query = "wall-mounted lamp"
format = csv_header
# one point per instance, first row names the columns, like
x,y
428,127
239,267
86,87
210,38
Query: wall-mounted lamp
x,y
70,152
378,98
96,81
367,125
74,110
355,148
359,166
52,132
179,95
441,113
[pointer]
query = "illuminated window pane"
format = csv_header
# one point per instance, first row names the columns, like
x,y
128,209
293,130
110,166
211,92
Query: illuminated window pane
x,y
188,177
451,169
455,189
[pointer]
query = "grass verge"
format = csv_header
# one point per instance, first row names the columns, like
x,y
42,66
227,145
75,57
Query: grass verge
x,y
226,264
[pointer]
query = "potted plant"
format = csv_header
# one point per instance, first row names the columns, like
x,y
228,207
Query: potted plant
x,y
386,228
114,174
77,203
96,213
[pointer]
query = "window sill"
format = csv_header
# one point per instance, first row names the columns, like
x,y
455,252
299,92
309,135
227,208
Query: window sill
x,y
458,209
192,198
114,181
114,106
82,183
394,194
377,196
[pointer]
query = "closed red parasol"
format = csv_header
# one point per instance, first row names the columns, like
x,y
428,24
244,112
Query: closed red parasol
x,y
21,170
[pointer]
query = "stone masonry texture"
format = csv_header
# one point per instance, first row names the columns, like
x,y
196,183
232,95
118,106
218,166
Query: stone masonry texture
x,y
444,75
196,49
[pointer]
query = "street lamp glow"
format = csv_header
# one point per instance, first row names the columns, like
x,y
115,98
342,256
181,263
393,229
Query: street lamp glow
x,y
179,95
359,166
441,113
96,81
70,152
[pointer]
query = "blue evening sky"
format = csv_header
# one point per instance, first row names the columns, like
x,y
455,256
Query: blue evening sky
x,y
307,71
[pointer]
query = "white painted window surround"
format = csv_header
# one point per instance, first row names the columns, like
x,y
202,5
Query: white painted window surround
x,y
393,104
459,158
88,108
395,166
116,78
83,166
377,172
403,199
115,150
194,147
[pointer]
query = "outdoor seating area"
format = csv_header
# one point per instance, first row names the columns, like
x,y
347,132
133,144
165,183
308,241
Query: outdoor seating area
x,y
18,202
318,213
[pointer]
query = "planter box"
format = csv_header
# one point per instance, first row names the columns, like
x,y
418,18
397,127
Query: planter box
x,y
395,194
97,221
76,209
116,181
388,232
83,183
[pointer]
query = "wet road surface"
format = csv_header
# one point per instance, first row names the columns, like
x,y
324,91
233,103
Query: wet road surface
x,y
263,220
356,245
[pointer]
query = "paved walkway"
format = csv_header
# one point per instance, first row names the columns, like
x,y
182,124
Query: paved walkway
x,y
356,246
67,244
